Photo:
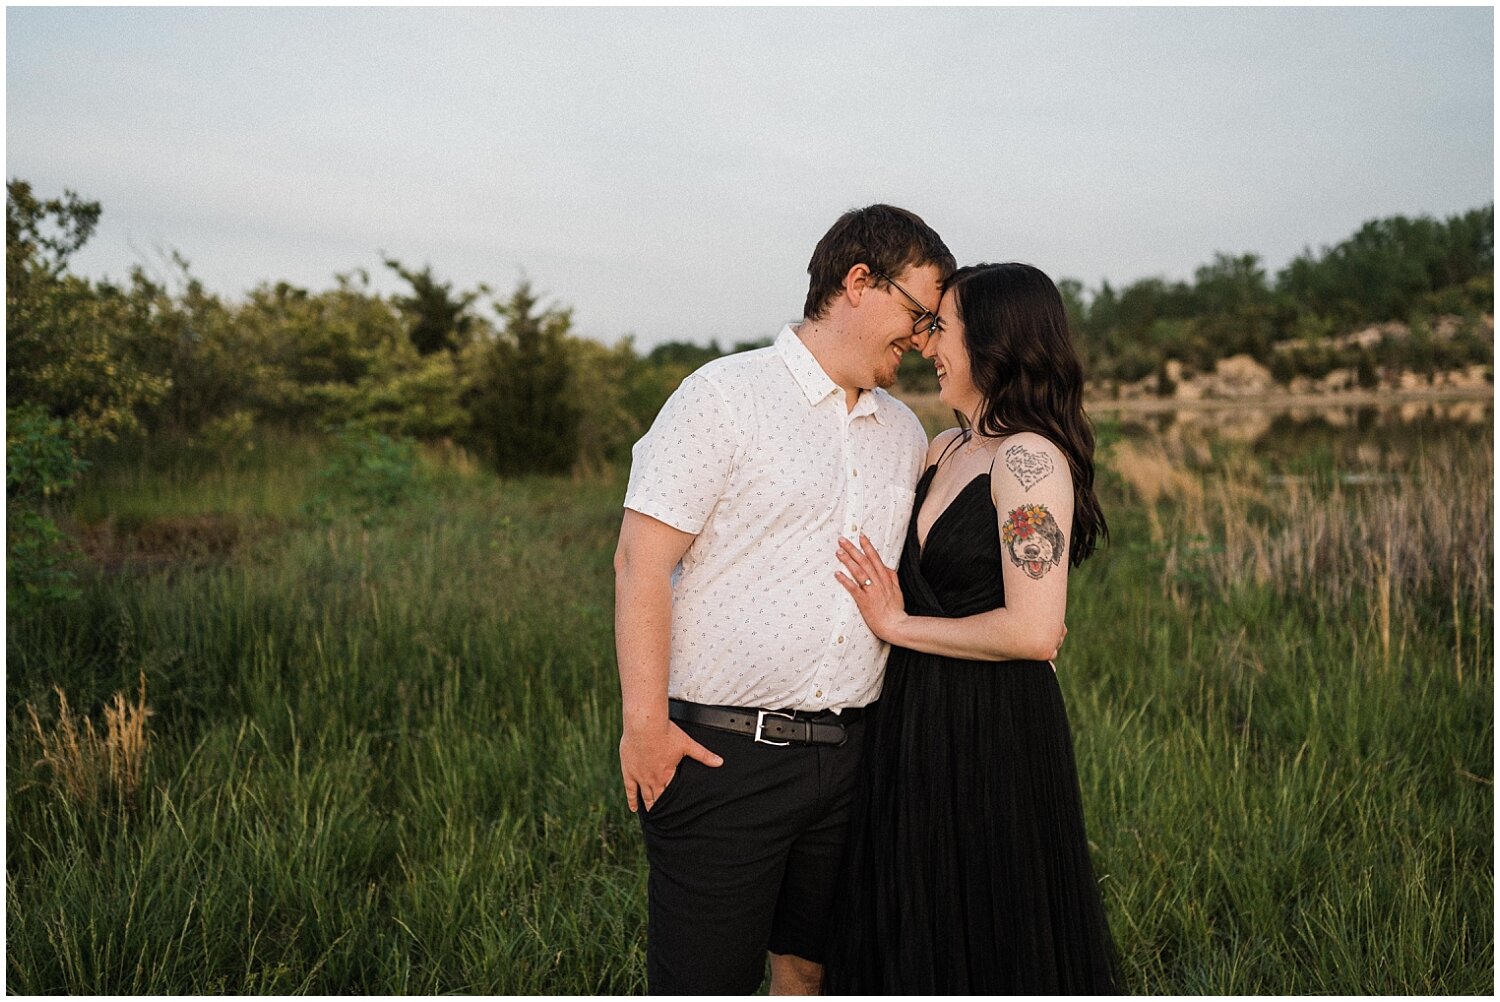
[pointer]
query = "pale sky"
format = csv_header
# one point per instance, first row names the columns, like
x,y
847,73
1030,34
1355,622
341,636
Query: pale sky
x,y
666,172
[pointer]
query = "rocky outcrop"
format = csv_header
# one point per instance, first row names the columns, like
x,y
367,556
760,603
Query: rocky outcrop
x,y
1241,377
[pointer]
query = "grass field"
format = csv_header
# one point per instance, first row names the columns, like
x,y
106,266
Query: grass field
x,y
383,719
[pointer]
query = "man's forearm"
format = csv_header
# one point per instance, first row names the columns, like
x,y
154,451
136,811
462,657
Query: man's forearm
x,y
643,643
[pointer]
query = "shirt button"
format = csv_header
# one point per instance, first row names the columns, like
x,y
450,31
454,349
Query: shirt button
x,y
854,473
840,640
819,694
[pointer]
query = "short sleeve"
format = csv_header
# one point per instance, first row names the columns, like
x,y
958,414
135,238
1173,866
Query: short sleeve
x,y
680,468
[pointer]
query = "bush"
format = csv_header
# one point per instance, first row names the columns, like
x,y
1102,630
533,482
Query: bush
x,y
522,418
68,343
41,464
618,395
371,476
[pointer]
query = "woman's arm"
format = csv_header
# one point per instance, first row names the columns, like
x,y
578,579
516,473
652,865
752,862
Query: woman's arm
x,y
1033,494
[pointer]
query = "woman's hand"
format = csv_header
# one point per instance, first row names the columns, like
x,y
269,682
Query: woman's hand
x,y
874,586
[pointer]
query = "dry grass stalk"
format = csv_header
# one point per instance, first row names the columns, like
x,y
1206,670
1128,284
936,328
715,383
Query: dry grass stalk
x,y
93,769
1384,579
1154,475
1458,631
1428,532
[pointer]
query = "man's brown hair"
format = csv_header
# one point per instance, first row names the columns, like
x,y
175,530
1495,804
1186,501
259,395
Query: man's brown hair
x,y
886,239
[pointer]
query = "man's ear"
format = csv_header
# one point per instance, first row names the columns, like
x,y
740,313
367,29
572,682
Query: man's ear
x,y
857,282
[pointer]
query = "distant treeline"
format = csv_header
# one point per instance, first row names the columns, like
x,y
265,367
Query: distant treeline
x,y
506,377
1408,270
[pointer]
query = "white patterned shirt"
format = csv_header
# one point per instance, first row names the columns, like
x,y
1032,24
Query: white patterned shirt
x,y
759,457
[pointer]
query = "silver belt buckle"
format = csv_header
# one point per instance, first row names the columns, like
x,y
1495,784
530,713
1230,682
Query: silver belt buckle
x,y
760,723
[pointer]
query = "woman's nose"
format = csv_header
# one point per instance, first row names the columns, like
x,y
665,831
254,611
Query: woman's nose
x,y
925,341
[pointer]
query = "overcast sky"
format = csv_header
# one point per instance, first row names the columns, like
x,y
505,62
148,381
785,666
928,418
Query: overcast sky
x,y
667,172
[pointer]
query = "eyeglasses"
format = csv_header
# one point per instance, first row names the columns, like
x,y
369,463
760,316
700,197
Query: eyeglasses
x,y
927,322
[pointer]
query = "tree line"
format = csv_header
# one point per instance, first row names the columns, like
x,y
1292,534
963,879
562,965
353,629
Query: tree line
x,y
1408,270
505,376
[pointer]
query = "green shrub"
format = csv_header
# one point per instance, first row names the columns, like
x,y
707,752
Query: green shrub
x,y
371,477
522,417
41,464
69,346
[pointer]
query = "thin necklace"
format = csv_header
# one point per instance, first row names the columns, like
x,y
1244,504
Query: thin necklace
x,y
975,443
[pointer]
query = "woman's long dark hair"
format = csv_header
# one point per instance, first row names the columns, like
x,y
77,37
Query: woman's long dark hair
x,y
1022,361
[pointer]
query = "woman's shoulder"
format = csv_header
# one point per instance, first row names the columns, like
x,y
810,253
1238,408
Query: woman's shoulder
x,y
1031,441
940,443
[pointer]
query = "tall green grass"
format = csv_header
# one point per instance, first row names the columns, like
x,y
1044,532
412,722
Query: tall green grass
x,y
383,753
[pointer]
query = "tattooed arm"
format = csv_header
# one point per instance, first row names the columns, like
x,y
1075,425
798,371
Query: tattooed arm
x,y
1033,494
1034,503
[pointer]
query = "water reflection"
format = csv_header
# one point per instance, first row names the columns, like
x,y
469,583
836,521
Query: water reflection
x,y
1359,442
1291,438
1250,424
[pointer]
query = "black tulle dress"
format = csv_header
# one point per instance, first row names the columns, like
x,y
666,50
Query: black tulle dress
x,y
967,869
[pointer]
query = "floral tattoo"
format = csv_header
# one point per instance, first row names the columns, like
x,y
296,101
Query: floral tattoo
x,y
1033,540
1030,468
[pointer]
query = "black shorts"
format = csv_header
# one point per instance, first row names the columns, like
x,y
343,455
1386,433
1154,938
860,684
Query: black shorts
x,y
744,859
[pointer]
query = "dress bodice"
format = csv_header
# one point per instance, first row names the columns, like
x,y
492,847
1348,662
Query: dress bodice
x,y
957,570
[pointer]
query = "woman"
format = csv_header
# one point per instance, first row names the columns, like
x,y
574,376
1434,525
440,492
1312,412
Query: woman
x,y
967,869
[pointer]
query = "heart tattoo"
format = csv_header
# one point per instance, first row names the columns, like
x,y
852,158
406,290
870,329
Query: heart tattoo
x,y
1029,467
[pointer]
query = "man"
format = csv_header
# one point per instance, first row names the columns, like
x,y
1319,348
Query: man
x,y
745,668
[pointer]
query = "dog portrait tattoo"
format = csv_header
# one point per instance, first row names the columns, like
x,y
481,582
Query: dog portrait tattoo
x,y
1030,468
1033,540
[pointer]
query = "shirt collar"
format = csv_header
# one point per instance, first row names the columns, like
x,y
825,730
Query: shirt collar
x,y
815,383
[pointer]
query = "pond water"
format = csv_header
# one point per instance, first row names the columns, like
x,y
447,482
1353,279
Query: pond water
x,y
1358,441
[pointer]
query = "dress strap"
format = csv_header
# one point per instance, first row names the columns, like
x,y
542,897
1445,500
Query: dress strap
x,y
962,436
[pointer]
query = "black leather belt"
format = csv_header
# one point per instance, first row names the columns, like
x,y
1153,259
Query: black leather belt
x,y
768,727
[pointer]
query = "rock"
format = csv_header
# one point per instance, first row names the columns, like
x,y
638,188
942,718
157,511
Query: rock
x,y
1478,376
1338,379
1241,376
1188,389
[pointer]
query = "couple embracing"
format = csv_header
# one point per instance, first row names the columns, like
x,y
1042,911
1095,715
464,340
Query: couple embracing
x,y
932,842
